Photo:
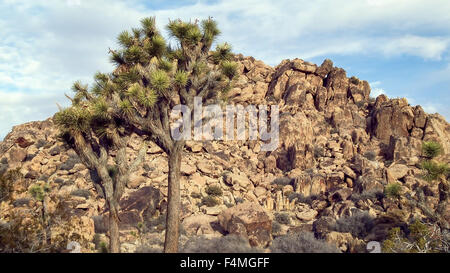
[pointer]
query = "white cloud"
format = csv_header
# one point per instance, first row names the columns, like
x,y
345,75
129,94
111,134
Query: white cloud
x,y
376,92
376,89
20,107
63,41
426,47
430,108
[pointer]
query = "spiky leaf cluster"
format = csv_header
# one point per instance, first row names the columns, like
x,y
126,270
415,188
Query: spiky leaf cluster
x,y
150,77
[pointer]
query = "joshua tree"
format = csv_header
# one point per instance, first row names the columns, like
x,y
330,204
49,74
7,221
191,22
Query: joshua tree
x,y
151,77
96,136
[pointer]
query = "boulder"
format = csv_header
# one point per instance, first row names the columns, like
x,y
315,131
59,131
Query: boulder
x,y
396,172
187,169
17,155
135,181
250,221
201,225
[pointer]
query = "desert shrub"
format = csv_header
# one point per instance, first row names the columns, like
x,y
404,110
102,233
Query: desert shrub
x,y
214,191
40,143
334,130
3,168
210,201
359,224
371,155
282,181
156,223
319,151
276,227
70,162
22,234
393,190
431,149
81,193
354,80
419,238
55,151
30,157
148,249
434,170
301,198
59,180
6,187
302,242
100,245
360,104
226,244
283,218
196,195
43,178
22,202
100,224
367,195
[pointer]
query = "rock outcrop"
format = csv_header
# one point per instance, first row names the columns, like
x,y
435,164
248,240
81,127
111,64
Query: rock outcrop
x,y
338,149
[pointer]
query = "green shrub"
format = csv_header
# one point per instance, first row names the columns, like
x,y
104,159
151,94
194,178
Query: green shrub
x,y
103,247
434,170
38,192
210,201
214,191
419,238
431,149
393,190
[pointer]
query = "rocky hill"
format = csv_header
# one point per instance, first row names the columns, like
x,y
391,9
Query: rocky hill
x,y
339,150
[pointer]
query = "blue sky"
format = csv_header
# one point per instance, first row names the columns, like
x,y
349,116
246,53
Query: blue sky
x,y
401,47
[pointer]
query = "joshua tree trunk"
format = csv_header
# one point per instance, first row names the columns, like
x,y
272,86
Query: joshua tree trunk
x,y
173,202
114,242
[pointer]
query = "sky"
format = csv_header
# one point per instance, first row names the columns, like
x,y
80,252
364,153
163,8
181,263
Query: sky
x,y
401,47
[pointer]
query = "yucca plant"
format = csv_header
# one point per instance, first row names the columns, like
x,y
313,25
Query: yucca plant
x,y
393,190
431,149
434,170
149,79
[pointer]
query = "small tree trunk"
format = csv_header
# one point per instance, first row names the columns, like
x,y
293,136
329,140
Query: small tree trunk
x,y
173,202
114,241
